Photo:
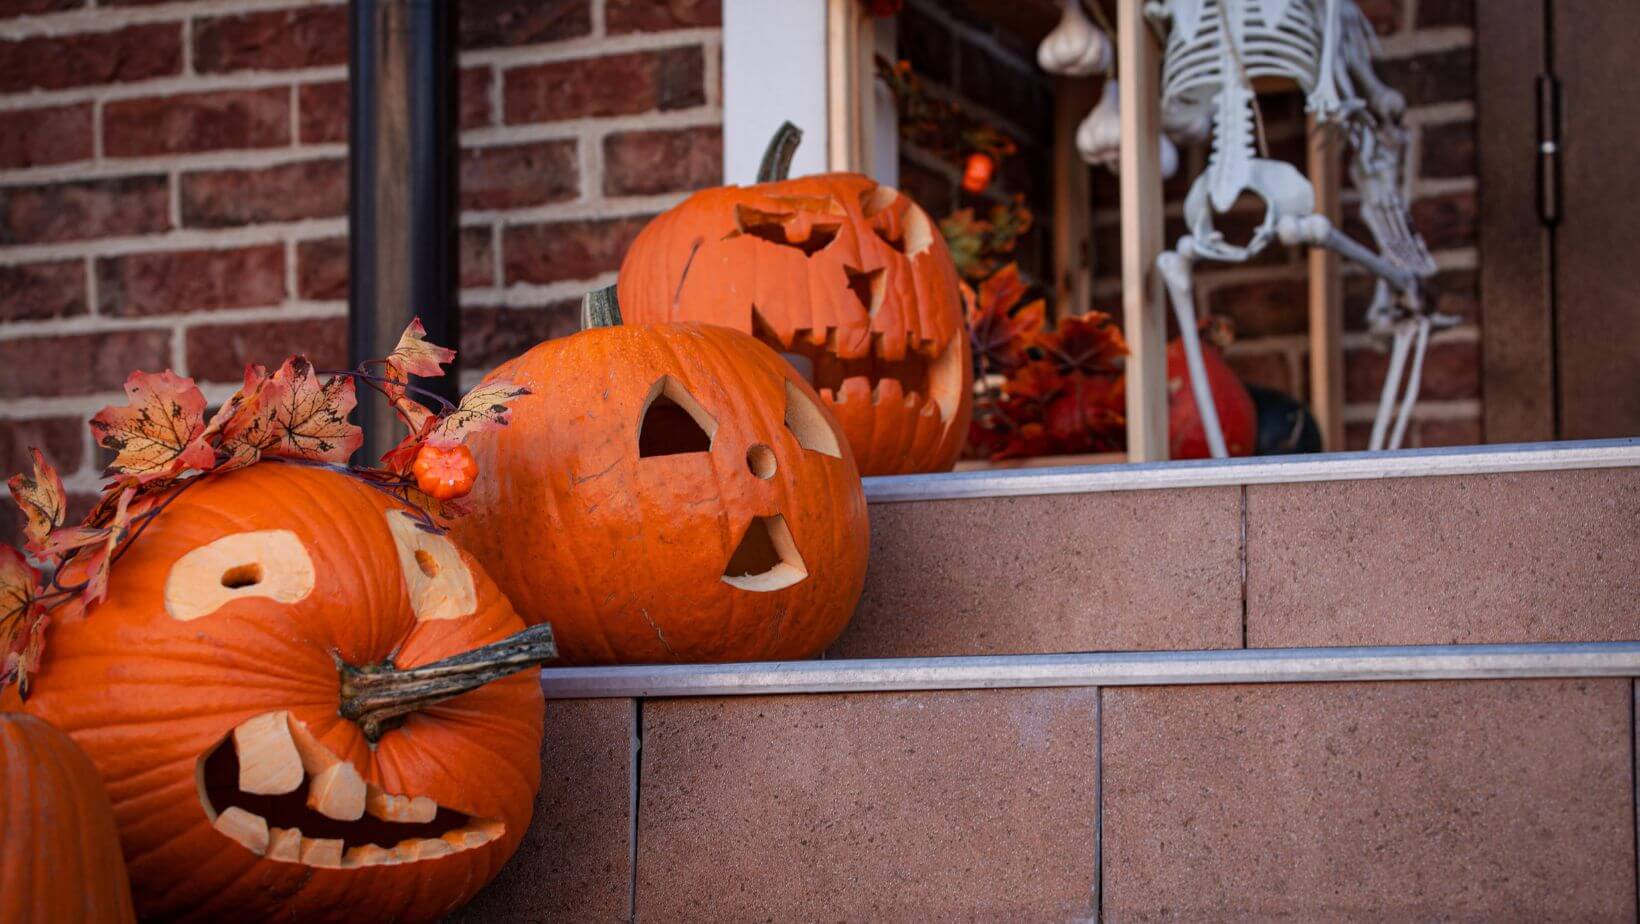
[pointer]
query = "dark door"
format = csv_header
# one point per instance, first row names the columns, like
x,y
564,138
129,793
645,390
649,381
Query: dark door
x,y
1558,122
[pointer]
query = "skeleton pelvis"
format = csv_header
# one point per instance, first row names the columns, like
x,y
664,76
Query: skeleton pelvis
x,y
1283,188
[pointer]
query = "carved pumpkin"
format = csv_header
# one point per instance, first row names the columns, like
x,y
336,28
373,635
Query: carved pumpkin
x,y
669,492
849,279
59,853
256,695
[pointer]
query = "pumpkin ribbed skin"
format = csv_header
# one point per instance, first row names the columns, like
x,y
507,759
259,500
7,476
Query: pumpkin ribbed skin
x,y
881,290
625,556
59,852
146,695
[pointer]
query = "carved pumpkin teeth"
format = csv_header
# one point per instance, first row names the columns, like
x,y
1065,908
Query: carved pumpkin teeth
x,y
251,788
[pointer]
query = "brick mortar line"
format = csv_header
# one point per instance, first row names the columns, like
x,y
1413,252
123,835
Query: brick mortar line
x,y
576,210
170,86
1352,340
586,46
1423,412
1425,41
534,295
93,20
515,132
102,167
79,325
109,168
178,239
36,407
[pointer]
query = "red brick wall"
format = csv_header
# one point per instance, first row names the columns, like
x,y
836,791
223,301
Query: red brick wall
x,y
173,184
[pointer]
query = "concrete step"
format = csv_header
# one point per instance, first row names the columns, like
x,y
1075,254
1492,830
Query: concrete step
x,y
1210,763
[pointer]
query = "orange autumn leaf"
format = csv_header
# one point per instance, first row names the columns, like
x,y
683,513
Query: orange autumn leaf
x,y
243,427
1000,331
1089,343
483,408
161,432
309,420
415,355
90,566
19,611
40,495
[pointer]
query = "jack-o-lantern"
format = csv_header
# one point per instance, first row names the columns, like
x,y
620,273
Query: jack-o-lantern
x,y
286,695
59,853
849,279
669,492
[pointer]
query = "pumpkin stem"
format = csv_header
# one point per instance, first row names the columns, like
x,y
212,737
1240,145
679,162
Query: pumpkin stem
x,y
375,694
777,157
599,308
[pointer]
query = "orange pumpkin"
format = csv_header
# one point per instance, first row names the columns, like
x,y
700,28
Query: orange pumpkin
x,y
256,695
671,492
59,853
849,279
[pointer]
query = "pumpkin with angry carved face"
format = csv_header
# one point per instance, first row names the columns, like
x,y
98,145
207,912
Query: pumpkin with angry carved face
x,y
286,695
669,492
849,279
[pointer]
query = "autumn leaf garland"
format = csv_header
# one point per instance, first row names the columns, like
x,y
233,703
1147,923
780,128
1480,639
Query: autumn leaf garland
x,y
163,444
1047,392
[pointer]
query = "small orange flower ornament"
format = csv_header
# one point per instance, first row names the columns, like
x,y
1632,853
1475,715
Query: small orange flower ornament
x,y
445,472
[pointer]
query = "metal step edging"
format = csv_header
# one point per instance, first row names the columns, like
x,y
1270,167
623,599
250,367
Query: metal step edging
x,y
1098,669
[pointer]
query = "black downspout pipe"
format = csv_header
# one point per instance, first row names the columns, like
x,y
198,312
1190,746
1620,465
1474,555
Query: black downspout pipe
x,y
402,211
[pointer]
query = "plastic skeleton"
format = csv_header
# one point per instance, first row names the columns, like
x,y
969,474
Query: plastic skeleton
x,y
1214,50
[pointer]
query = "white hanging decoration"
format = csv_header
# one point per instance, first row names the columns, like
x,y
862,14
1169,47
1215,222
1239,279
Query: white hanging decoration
x,y
1099,137
1076,47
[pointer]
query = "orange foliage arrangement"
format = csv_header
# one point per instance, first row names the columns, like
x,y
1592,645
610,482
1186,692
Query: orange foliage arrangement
x,y
1060,390
164,445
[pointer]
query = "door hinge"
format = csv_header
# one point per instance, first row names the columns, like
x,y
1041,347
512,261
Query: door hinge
x,y
1548,146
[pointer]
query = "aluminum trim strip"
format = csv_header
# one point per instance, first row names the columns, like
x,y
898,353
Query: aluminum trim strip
x,y
1354,466
1122,668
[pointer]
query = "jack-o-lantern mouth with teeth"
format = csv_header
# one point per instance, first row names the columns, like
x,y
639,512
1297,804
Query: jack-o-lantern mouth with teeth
x,y
304,704
280,793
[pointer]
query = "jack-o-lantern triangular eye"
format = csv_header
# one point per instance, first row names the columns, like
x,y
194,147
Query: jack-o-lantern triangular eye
x,y
809,425
673,422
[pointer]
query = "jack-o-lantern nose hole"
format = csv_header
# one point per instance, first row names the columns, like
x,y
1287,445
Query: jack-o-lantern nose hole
x,y
242,576
427,563
760,459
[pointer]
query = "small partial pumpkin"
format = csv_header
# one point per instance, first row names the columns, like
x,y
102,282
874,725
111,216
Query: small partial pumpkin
x,y
259,694
850,279
670,492
1238,418
59,853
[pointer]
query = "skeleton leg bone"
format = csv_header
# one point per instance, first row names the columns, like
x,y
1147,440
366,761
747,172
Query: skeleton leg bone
x,y
1414,381
1175,266
1392,384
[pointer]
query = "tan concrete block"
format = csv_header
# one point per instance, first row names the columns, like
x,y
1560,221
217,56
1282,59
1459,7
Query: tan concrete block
x,y
1125,570
1497,800
1530,557
869,807
575,863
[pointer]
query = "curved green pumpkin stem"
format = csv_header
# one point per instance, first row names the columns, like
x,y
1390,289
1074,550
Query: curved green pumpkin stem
x,y
599,308
376,695
777,157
